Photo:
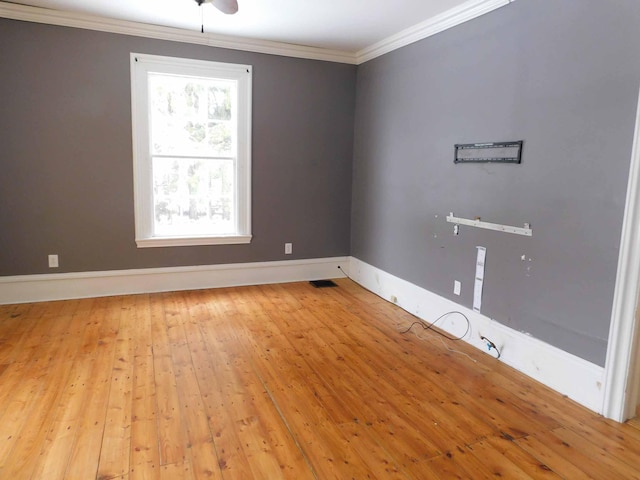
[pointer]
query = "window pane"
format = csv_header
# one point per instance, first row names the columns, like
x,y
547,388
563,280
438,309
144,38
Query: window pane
x,y
220,137
192,116
193,197
219,102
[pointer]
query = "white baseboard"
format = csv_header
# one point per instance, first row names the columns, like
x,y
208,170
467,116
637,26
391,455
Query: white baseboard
x,y
63,286
579,379
575,377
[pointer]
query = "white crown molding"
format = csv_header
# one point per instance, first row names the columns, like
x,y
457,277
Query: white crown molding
x,y
123,27
64,286
568,374
449,19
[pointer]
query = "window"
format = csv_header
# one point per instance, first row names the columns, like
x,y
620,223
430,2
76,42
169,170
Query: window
x,y
191,151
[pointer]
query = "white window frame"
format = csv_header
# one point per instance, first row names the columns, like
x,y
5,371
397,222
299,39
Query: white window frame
x,y
141,66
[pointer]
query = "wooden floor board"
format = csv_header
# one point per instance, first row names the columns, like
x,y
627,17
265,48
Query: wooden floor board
x,y
597,461
116,440
277,381
500,447
547,453
86,447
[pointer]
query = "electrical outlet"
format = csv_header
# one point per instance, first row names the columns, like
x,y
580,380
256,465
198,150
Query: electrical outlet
x,y
288,248
456,287
53,261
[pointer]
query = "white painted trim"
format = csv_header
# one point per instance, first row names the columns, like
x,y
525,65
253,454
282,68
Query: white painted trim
x,y
102,24
154,242
39,288
575,377
241,77
449,19
622,380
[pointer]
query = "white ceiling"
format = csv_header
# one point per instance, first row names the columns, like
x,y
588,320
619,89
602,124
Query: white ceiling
x,y
345,25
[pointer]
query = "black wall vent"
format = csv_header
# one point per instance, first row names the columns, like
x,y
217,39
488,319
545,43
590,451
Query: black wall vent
x,y
323,283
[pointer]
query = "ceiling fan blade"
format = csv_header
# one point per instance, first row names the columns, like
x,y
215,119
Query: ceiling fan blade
x,y
226,6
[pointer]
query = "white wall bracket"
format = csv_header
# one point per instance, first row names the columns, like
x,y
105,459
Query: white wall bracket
x,y
526,230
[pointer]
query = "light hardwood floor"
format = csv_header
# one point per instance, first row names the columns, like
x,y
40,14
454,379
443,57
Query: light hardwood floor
x,y
278,381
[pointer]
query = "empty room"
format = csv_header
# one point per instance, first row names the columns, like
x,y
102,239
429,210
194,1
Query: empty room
x,y
319,240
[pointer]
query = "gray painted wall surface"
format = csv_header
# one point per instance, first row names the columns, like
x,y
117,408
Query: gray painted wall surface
x,y
561,75
66,183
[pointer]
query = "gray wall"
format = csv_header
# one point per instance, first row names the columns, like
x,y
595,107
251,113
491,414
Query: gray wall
x,y
563,76
66,182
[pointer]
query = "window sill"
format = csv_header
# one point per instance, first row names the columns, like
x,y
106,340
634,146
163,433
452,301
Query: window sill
x,y
189,241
